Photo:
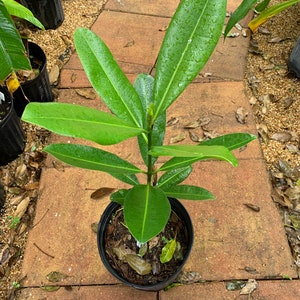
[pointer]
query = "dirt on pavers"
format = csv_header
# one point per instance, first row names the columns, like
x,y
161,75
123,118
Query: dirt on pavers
x,y
273,94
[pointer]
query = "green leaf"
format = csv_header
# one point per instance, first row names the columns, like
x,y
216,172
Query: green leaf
x,y
12,51
119,196
107,78
239,14
167,251
146,212
261,6
174,177
189,192
91,158
200,152
230,141
270,12
79,121
189,41
127,178
16,9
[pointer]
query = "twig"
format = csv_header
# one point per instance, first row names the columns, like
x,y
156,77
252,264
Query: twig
x,y
40,219
43,251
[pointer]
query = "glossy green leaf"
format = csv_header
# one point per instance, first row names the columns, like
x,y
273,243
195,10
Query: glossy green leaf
x,y
16,9
144,87
270,12
189,192
119,196
91,158
230,141
174,177
239,14
12,51
261,6
127,178
107,78
190,39
200,152
167,251
79,121
146,212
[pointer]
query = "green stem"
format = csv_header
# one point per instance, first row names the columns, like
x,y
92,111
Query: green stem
x,y
149,167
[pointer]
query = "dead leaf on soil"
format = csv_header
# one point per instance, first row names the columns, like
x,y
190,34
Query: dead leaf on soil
x,y
101,193
241,114
250,286
172,121
178,138
55,276
192,125
282,137
86,93
22,207
252,206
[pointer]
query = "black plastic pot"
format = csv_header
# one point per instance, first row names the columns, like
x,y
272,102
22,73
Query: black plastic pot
x,y
294,60
37,89
180,211
49,12
12,137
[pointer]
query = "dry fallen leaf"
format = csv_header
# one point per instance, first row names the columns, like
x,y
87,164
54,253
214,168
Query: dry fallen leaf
x,y
172,121
281,137
101,193
250,286
22,207
86,93
241,114
178,138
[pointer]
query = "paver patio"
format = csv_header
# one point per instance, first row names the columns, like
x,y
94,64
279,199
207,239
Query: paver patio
x,y
228,235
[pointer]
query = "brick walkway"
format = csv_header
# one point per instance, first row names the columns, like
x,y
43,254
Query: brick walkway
x,y
228,235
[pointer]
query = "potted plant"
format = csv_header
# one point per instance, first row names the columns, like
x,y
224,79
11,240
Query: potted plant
x,y
15,57
154,222
12,57
49,12
12,136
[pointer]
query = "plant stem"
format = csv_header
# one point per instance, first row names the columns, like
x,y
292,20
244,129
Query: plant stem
x,y
149,167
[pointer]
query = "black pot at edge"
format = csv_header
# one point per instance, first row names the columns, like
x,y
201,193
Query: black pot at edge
x,y
12,137
37,89
180,211
49,12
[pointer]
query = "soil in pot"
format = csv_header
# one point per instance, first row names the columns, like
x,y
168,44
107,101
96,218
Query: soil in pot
x,y
124,255
35,84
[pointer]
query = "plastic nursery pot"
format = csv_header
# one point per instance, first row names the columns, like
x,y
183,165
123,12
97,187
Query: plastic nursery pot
x,y
49,12
105,219
12,137
37,89
294,59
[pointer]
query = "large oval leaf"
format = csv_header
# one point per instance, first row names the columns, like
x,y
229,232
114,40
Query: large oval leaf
x,y
231,141
239,14
270,12
174,177
107,78
12,50
146,212
189,41
79,121
91,158
16,9
189,192
200,152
